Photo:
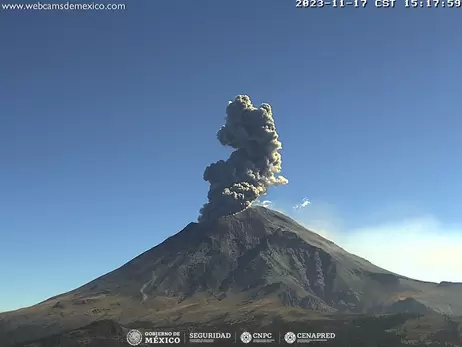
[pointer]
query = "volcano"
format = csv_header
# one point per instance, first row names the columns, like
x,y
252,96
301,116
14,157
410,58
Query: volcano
x,y
256,263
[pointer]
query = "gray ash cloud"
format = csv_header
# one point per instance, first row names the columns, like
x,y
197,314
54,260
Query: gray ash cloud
x,y
254,165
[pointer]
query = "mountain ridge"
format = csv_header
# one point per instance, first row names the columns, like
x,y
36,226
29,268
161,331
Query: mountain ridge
x,y
258,260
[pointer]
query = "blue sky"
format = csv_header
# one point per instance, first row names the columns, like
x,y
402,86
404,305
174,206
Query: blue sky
x,y
108,120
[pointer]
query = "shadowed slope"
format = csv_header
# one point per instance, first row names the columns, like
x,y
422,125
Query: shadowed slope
x,y
255,260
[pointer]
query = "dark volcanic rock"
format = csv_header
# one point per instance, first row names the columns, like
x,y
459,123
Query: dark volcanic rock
x,y
104,333
239,254
408,305
446,283
398,330
235,268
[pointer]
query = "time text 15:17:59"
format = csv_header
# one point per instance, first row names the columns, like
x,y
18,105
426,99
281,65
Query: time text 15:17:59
x,y
432,3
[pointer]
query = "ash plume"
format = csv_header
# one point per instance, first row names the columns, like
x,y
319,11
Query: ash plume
x,y
252,168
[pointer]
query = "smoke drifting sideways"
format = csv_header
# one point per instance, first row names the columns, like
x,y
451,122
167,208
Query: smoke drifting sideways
x,y
252,168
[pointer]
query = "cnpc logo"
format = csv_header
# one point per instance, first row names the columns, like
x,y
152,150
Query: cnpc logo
x,y
247,337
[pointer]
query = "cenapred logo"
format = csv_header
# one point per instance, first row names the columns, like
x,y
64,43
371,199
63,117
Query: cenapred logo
x,y
290,337
246,337
134,337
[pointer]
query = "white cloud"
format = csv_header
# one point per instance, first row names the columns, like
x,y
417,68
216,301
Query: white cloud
x,y
423,248
264,203
305,202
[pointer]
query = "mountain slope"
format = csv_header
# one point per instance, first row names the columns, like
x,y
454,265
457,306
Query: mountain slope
x,y
252,261
398,330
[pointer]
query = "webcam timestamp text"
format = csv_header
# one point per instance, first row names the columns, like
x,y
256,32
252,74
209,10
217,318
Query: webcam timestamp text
x,y
379,3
